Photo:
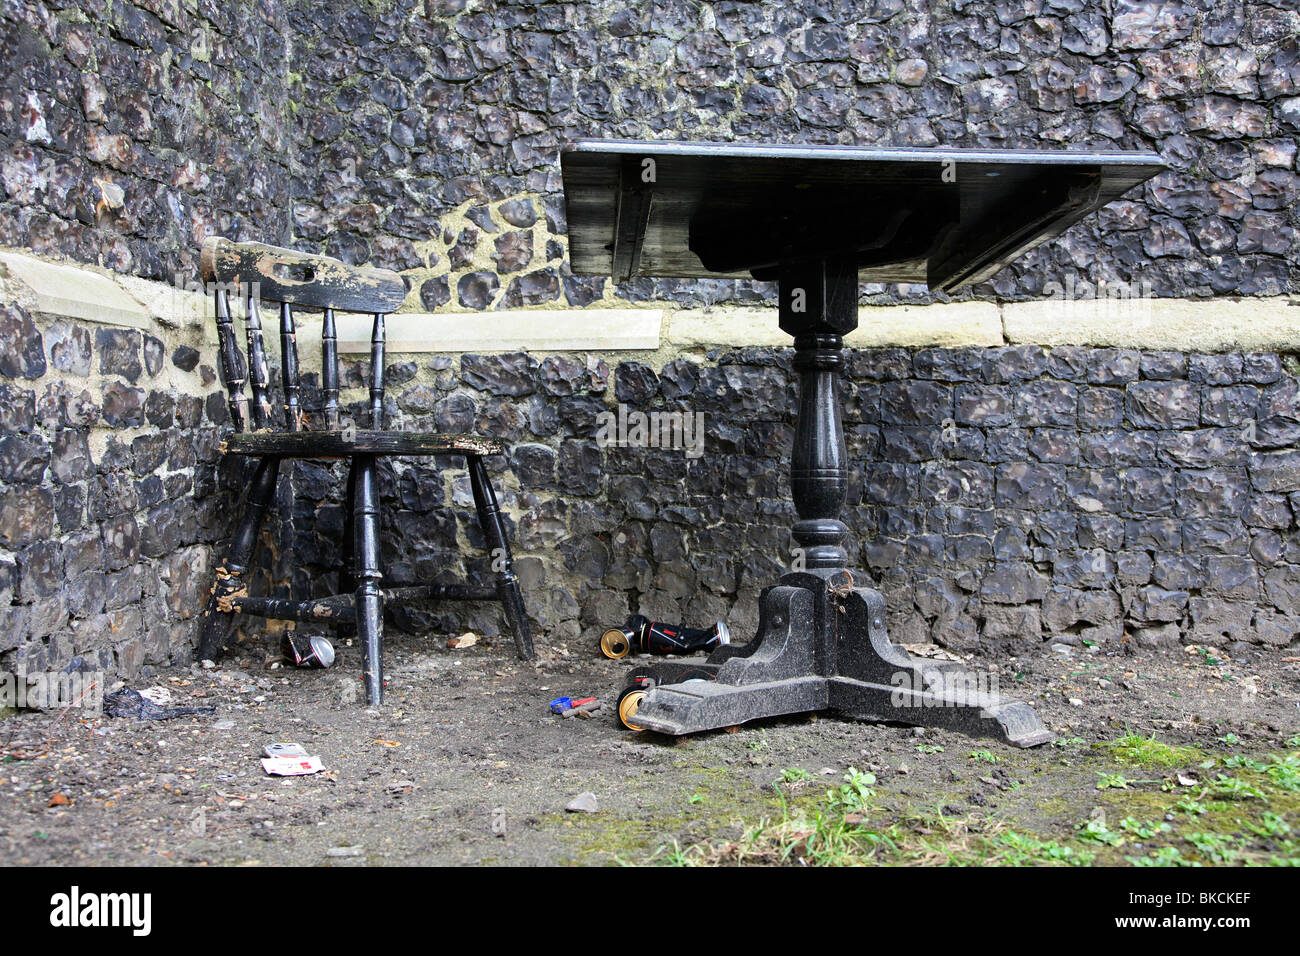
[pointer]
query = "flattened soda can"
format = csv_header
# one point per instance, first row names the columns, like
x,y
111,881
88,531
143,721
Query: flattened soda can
x,y
306,651
640,635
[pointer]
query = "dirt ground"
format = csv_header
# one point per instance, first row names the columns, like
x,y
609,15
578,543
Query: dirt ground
x,y
465,765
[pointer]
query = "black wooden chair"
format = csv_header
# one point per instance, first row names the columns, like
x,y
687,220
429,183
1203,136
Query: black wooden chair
x,y
260,432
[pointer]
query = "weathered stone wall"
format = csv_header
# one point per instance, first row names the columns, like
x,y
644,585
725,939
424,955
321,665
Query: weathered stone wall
x,y
999,496
431,136
430,130
423,134
1000,493
130,130
111,491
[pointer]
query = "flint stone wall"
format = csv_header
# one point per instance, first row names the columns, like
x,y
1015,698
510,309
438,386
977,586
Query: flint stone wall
x,y
130,130
112,493
423,135
999,497
429,131
1000,494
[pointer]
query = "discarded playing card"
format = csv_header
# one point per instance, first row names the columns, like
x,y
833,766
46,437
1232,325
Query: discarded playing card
x,y
292,766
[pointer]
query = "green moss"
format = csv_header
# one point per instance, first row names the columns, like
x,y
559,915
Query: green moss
x,y
1138,751
721,809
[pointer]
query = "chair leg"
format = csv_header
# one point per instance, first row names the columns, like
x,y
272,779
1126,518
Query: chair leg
x,y
369,597
229,581
347,572
494,530
347,579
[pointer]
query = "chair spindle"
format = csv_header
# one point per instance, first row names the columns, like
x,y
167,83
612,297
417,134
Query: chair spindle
x,y
377,373
289,368
329,369
257,369
232,363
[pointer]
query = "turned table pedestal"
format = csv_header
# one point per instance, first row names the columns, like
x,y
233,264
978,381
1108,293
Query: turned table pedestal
x,y
817,220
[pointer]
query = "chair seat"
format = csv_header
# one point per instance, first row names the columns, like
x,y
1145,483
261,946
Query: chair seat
x,y
360,441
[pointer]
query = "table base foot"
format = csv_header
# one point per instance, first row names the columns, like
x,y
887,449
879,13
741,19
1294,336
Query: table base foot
x,y
822,645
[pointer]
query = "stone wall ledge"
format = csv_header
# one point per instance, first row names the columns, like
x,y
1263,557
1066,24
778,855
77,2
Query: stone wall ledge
x,y
507,330
60,290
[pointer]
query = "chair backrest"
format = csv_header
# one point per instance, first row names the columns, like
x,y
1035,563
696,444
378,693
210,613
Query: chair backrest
x,y
260,272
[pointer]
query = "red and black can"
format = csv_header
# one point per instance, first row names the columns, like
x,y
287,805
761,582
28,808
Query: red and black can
x,y
640,635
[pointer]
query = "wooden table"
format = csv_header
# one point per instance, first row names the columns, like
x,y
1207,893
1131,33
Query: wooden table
x,y
817,220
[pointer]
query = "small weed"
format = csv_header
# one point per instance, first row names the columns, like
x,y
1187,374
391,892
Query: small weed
x,y
1165,856
1096,831
1285,771
1143,831
1216,847
1112,781
853,795
929,749
984,756
1240,761
1270,825
1234,788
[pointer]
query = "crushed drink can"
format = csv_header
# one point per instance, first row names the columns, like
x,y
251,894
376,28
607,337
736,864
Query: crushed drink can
x,y
303,651
640,635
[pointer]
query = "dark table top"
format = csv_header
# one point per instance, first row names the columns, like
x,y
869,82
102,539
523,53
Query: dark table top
x,y
946,217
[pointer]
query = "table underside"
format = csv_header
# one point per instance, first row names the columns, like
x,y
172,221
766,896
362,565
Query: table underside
x,y
946,218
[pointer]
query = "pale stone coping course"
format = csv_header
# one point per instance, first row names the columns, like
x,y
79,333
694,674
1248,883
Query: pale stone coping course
x,y
1189,325
53,290
539,330
948,325
173,307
